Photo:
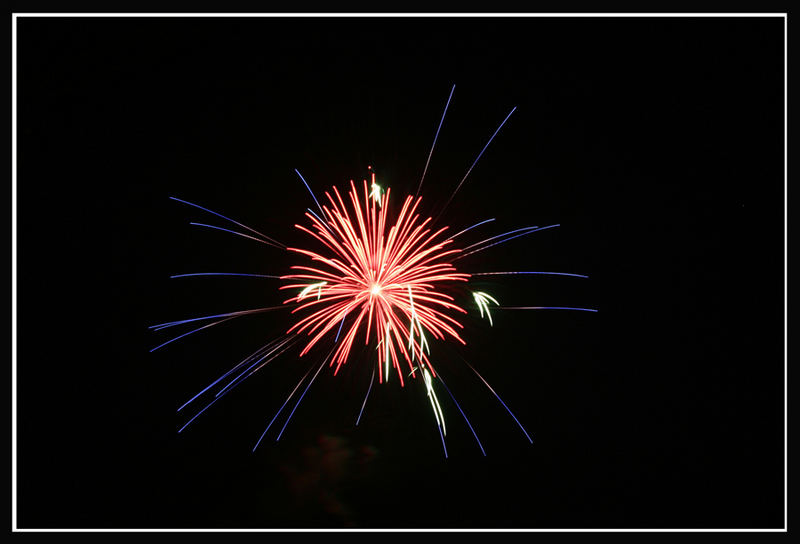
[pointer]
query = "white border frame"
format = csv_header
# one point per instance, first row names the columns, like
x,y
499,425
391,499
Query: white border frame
x,y
15,16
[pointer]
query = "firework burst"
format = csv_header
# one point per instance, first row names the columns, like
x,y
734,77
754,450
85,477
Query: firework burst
x,y
389,281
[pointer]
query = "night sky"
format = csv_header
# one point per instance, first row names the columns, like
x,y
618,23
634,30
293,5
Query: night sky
x,y
656,144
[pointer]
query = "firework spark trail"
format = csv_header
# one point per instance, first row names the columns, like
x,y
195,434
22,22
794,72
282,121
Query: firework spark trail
x,y
309,189
525,272
267,238
290,398
371,380
338,332
453,237
309,210
434,141
284,405
198,414
223,274
463,414
545,308
264,359
217,397
528,230
482,300
437,409
498,398
244,361
240,313
446,204
234,232
191,332
228,388
525,229
301,396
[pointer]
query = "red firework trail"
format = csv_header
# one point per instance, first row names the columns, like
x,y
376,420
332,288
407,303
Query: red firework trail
x,y
386,281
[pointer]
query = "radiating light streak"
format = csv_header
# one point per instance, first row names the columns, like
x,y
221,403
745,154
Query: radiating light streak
x,y
386,355
376,192
501,400
462,413
301,396
296,387
515,273
453,237
371,380
339,331
244,361
386,350
437,410
506,240
415,324
309,189
229,314
191,332
260,362
228,388
237,234
544,308
282,246
317,286
206,407
476,162
223,274
309,210
476,244
434,141
482,300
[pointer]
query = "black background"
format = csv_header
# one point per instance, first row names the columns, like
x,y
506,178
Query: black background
x,y
656,143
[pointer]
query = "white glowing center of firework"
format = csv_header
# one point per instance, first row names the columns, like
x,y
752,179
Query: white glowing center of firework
x,y
375,289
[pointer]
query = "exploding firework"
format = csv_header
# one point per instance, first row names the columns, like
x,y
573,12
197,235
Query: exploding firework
x,y
386,280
